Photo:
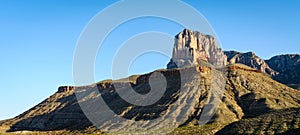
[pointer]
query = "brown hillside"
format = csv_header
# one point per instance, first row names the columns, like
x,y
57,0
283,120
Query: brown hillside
x,y
248,94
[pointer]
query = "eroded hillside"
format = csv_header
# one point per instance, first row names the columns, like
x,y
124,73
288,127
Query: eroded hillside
x,y
248,93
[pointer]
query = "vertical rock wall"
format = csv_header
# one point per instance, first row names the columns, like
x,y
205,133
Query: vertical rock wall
x,y
190,47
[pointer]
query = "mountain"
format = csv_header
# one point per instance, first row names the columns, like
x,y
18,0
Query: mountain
x,y
191,46
196,96
249,59
288,67
257,105
62,110
248,93
283,68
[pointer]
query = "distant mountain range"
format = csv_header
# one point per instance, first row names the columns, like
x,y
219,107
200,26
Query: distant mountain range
x,y
256,97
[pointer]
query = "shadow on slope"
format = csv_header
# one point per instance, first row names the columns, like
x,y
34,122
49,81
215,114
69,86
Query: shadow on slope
x,y
68,116
285,121
63,112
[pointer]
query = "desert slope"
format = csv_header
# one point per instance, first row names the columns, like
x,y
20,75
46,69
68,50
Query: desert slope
x,y
248,94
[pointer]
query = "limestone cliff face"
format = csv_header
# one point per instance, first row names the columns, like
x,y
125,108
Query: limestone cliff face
x,y
192,46
249,59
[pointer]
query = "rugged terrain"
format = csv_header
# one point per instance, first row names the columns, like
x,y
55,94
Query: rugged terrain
x,y
208,87
283,68
245,97
249,59
288,67
190,46
285,121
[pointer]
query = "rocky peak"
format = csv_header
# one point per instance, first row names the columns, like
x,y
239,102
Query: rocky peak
x,y
250,54
281,63
283,68
288,67
192,46
250,59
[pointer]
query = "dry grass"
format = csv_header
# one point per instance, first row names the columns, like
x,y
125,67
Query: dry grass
x,y
276,122
207,129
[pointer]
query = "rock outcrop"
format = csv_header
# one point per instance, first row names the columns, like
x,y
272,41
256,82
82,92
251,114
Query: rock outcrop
x,y
65,89
249,59
192,46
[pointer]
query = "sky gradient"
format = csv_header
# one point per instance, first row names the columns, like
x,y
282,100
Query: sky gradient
x,y
38,40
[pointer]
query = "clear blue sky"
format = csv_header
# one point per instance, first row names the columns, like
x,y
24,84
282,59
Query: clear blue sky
x,y
38,38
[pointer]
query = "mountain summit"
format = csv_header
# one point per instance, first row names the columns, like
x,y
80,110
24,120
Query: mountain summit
x,y
192,46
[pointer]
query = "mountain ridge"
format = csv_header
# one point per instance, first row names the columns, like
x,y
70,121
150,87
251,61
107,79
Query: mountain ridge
x,y
236,108
284,68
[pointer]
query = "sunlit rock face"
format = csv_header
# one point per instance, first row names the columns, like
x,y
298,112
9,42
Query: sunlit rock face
x,y
250,59
192,46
